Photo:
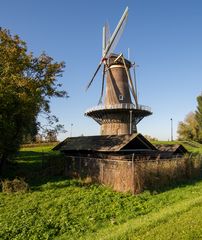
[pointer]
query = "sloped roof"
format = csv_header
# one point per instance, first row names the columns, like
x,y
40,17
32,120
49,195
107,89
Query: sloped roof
x,y
174,148
104,143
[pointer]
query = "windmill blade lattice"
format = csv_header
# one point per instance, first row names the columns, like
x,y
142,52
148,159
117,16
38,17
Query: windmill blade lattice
x,y
108,46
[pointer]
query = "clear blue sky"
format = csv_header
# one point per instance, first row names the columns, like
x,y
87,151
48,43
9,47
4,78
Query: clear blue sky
x,y
165,39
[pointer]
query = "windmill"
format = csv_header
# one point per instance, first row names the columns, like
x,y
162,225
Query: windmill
x,y
119,114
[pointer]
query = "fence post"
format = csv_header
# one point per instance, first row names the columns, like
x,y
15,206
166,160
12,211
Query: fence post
x,y
80,167
102,171
200,165
133,175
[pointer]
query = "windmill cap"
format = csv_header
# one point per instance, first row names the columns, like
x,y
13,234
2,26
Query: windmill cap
x,y
113,57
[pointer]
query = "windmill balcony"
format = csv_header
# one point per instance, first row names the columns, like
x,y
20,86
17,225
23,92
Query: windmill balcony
x,y
118,106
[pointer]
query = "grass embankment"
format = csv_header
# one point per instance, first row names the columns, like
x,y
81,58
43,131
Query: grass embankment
x,y
57,208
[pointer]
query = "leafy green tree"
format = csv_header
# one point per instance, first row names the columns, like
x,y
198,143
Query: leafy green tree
x,y
189,129
199,116
27,84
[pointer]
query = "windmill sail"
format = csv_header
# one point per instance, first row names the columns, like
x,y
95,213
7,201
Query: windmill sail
x,y
102,89
116,34
135,80
99,66
108,46
106,37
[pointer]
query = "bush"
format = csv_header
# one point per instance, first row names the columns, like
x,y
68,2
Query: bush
x,y
16,185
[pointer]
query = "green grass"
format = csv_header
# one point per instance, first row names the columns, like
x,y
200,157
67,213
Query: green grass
x,y
67,209
42,148
57,208
180,220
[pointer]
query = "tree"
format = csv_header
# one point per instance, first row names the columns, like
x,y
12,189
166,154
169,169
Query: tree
x,y
27,84
189,129
51,136
150,138
199,116
30,136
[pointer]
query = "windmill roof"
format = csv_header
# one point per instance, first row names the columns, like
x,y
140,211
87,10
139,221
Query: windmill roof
x,y
105,143
174,148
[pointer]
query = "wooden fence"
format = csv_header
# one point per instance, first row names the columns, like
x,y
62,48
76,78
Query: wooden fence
x,y
132,174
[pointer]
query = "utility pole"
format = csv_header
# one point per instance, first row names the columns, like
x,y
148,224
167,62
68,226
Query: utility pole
x,y
71,130
171,129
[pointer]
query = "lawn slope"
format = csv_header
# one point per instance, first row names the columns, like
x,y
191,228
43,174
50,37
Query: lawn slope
x,y
181,220
57,208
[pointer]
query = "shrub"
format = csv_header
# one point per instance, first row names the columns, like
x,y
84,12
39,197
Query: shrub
x,y
16,185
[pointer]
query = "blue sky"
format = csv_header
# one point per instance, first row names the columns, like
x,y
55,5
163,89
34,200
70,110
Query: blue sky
x,y
164,37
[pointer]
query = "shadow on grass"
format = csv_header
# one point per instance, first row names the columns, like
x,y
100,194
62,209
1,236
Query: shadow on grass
x,y
30,156
36,168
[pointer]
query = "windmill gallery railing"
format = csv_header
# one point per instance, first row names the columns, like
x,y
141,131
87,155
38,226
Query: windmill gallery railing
x,y
119,106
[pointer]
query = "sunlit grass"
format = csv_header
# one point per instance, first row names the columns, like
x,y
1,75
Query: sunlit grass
x,y
71,210
58,208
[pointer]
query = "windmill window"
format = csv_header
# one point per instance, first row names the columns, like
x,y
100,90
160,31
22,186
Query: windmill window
x,y
121,97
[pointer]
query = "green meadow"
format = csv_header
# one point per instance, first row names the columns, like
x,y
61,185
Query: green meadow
x,y
60,208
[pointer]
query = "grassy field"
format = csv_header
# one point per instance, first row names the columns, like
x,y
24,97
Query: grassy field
x,y
57,208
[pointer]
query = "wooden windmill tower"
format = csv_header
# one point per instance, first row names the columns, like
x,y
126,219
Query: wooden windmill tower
x,y
120,113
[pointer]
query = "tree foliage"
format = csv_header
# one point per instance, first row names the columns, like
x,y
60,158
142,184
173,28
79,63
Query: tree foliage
x,y
199,116
191,128
188,130
26,85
